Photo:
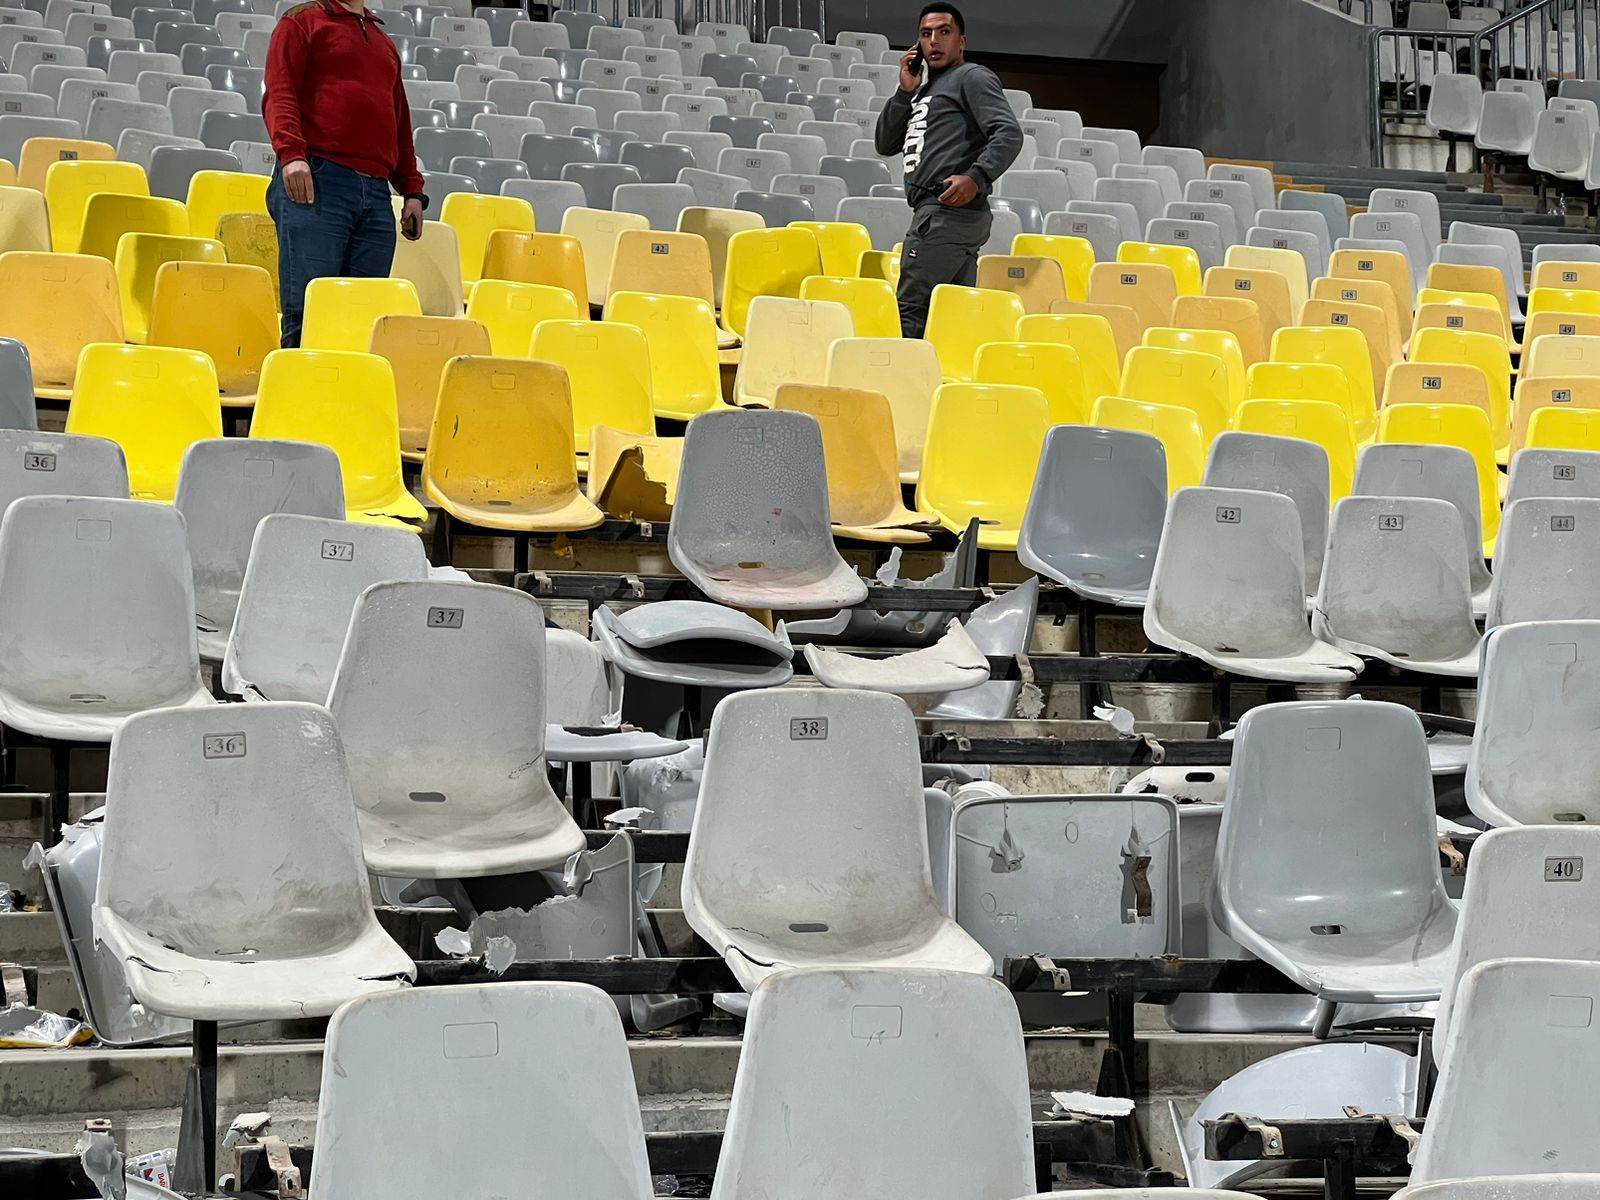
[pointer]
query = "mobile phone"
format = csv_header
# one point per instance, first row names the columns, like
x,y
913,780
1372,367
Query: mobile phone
x,y
408,226
916,62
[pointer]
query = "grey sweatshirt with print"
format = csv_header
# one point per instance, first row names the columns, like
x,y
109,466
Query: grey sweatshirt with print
x,y
957,123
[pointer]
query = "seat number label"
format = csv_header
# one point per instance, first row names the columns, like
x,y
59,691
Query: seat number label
x,y
1340,318
1563,524
1563,471
1390,521
1016,273
808,729
444,618
1561,396
1129,280
658,247
339,551
1455,322
1432,383
1366,264
38,460
1563,870
1348,294
1242,285
1566,330
223,745
1229,515
1569,277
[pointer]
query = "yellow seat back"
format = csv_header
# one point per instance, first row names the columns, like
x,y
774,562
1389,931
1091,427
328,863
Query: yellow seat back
x,y
340,311
512,311
1577,276
252,239
213,194
1550,324
858,447
1389,266
1150,289
608,372
1290,265
24,220
717,226
633,476
1437,383
138,257
1565,429
69,184
1372,323
1461,425
1374,292
38,153
871,302
984,441
667,264
1549,391
1217,343
417,349
1562,300
765,262
1341,346
1036,281
109,215
1320,421
1550,354
1181,379
787,341
681,332
960,319
474,217
1267,289
841,244
1300,381
550,259
1472,280
1091,339
1225,314
1177,429
1469,318
432,263
1484,351
1052,367
906,372
224,310
55,305
1074,254
1183,262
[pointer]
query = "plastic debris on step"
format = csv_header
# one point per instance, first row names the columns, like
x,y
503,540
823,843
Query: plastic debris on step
x,y
953,663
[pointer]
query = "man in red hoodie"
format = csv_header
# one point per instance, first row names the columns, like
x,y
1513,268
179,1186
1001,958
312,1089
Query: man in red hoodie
x,y
337,115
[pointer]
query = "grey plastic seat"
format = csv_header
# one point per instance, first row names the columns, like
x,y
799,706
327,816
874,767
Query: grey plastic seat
x,y
777,209
810,909
172,167
1546,566
608,142
1542,472
1327,860
712,189
1395,586
1330,204
1403,227
18,409
660,203
549,154
505,133
561,119
696,111
440,184
1299,220
757,167
172,36
1144,195
654,91
1229,588
459,114
219,129
438,147
47,78
1504,1187
77,95
1288,466
1002,627
728,69
235,26
836,135
648,126
1165,177
490,174
108,117
1509,266
1237,195
1515,1021
427,118
545,1036
1094,517
599,180
1101,155
1011,216
740,100
773,88
1307,245
154,86
513,96
27,104
539,37
301,582
1565,252
607,103
140,146
885,219
98,51
657,162
1101,230
1203,237
821,193
440,62
694,644
249,82
750,527
205,925
859,174
1437,473
550,198
198,59
805,151
1129,227
33,463
225,487
465,32
465,794
1533,754
946,1037
1049,188
745,131
421,93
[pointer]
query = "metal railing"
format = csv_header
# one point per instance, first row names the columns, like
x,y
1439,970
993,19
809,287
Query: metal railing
x,y
756,15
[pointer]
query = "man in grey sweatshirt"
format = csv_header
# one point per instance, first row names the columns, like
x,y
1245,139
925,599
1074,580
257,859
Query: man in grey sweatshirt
x,y
958,135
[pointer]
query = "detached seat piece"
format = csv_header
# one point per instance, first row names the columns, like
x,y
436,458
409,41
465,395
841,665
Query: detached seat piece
x,y
952,664
694,644
751,527
231,880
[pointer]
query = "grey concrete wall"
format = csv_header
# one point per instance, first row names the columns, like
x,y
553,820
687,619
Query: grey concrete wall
x,y
1127,30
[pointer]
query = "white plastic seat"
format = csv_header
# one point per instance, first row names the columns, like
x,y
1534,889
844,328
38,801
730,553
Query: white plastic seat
x,y
1507,123
1547,566
225,487
1003,627
1144,195
301,582
1542,472
1229,588
1455,104
1563,142
805,1115
1534,756
496,1055
694,644
1328,858
1431,473
1235,194
455,787
1406,200
1331,205
1102,231
1094,517
1395,586
35,463
751,524
1506,1187
1523,1045
840,881
1403,227
1203,237
1464,233
231,882
1259,180
1289,466
96,616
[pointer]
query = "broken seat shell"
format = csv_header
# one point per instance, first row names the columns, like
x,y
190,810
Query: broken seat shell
x,y
695,644
952,664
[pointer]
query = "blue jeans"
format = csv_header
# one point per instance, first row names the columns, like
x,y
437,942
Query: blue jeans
x,y
347,229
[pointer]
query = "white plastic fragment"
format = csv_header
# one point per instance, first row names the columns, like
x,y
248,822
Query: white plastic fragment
x,y
1086,1104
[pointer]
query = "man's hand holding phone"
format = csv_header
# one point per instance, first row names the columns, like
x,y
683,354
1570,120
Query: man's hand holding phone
x,y
911,70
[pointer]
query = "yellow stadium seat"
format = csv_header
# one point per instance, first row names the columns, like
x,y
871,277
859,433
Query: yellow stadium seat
x,y
1565,429
1287,263
717,226
1341,346
1385,266
1225,314
765,262
1183,262
1075,254
1220,345
1476,302
787,341
1437,383
681,332
68,191
138,258
664,264
252,239
1562,300
871,302
597,232
1127,328
474,217
1148,288
1483,281
906,370
24,221
841,244
154,402
608,372
983,446
500,454
1549,324
960,319
1177,429
1374,293
548,259
1090,337
1036,281
38,153
881,264
432,263
1552,355
1323,382
214,194
417,349
55,305
345,401
1182,379
8,173
1267,289
633,476
341,311
1319,421
1484,351
1465,317
1370,320
1578,276
224,310
858,448
1453,425
1052,367
511,311
1549,391
109,215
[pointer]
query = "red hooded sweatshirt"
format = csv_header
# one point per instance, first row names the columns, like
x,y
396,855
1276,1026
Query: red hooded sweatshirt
x,y
333,90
